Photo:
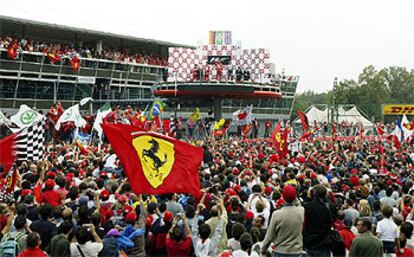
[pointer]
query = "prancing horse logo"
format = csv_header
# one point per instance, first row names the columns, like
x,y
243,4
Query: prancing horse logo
x,y
150,153
157,157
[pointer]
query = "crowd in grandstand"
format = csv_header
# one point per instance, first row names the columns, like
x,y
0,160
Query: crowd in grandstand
x,y
78,202
84,50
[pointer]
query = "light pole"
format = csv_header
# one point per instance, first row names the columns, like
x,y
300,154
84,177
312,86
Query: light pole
x,y
335,106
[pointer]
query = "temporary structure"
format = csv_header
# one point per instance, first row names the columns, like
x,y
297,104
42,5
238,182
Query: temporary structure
x,y
350,116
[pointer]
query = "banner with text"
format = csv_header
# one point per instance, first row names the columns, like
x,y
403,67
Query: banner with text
x,y
398,109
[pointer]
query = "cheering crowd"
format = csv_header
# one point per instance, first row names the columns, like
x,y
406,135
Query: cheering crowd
x,y
85,51
348,198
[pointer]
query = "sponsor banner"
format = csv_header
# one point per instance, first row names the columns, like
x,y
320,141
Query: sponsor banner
x,y
223,59
398,109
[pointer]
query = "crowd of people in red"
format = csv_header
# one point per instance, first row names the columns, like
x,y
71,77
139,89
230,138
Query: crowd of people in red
x,y
345,198
117,55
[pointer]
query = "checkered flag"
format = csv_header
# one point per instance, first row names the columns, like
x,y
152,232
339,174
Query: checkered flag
x,y
30,142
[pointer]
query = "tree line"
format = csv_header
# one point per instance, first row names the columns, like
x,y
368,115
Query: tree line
x,y
372,88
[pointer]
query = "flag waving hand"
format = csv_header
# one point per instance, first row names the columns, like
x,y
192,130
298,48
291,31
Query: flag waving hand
x,y
155,164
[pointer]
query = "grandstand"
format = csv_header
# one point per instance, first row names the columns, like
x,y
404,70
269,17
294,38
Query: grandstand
x,y
116,68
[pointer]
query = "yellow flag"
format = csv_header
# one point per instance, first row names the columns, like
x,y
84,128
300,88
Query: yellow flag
x,y
219,124
196,115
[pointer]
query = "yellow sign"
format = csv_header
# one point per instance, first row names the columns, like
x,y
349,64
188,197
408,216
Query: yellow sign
x,y
398,109
157,157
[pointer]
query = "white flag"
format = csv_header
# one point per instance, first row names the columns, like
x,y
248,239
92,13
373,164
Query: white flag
x,y
242,116
71,114
102,113
85,100
26,117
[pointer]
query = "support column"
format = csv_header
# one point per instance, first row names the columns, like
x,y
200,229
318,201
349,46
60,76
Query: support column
x,y
217,109
99,46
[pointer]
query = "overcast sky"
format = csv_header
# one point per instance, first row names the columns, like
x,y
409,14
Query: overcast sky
x,y
315,39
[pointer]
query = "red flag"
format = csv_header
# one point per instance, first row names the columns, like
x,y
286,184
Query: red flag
x,y
284,143
380,129
306,135
304,119
75,63
220,132
395,140
54,57
7,153
276,136
13,51
246,129
140,122
279,139
334,131
155,164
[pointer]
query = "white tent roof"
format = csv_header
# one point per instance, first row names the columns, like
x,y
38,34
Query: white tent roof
x,y
314,114
354,115
350,116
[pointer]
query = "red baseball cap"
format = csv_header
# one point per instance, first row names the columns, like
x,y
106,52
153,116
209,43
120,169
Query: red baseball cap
x,y
123,199
249,215
51,174
49,184
230,192
127,209
237,188
131,216
168,216
105,194
26,192
268,190
280,202
289,193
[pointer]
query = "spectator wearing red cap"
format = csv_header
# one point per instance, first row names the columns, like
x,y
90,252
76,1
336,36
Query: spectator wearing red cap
x,y
136,229
49,195
285,229
160,229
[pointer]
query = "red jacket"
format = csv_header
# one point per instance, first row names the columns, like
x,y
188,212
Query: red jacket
x,y
178,249
345,233
32,252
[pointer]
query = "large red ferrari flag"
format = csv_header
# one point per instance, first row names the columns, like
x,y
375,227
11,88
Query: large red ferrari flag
x,y
155,164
